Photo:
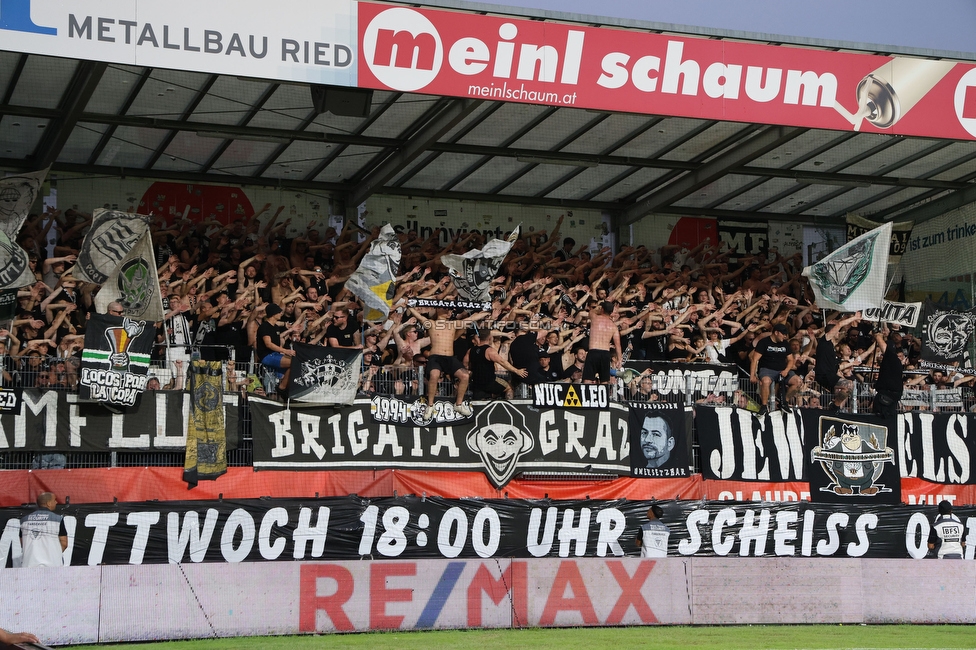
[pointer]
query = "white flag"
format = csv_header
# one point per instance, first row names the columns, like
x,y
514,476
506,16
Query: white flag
x,y
473,271
135,284
109,239
852,278
373,282
17,195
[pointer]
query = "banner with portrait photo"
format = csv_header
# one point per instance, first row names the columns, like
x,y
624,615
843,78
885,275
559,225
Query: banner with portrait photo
x,y
660,440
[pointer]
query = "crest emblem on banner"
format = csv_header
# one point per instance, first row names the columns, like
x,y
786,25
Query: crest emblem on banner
x,y
137,284
947,332
119,340
500,437
326,371
853,455
840,277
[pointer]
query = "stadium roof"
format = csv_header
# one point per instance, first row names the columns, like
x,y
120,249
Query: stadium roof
x,y
115,120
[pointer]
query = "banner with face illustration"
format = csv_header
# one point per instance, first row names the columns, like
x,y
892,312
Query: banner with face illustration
x,y
501,439
374,281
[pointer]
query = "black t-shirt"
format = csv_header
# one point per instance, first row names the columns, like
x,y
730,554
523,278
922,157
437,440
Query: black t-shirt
x,y
827,362
524,353
773,355
890,371
345,337
271,331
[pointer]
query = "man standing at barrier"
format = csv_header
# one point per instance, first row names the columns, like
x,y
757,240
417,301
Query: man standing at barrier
x,y
947,534
43,533
771,363
890,384
442,332
603,333
481,360
653,540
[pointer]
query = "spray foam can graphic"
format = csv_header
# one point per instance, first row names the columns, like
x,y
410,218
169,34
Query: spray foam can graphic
x,y
887,94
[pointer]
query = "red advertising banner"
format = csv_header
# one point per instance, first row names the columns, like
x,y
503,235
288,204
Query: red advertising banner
x,y
499,58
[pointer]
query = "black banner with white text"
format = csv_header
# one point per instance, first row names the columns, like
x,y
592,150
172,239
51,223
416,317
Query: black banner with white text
x,y
352,528
57,421
501,439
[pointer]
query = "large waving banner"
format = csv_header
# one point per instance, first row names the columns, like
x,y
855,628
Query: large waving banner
x,y
373,282
501,439
108,240
473,271
853,277
134,284
351,528
55,421
17,196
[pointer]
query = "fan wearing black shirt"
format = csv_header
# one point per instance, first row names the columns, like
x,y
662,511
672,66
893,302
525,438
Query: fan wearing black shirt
x,y
270,342
342,333
771,362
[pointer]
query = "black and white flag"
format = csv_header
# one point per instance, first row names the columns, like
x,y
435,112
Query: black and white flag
x,y
14,265
945,336
853,277
325,375
108,241
134,284
374,281
17,195
473,271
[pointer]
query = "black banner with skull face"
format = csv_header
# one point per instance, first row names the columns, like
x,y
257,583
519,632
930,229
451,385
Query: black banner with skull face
x,y
501,439
945,336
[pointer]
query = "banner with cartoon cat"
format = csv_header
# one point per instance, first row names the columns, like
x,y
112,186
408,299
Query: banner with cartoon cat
x,y
852,458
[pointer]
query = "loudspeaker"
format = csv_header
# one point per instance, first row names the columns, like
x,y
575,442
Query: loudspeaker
x,y
348,102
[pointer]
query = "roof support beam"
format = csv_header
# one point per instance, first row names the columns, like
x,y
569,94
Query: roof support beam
x,y
940,206
87,76
446,120
766,140
110,131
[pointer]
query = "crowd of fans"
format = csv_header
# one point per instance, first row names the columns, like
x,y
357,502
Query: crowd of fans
x,y
244,292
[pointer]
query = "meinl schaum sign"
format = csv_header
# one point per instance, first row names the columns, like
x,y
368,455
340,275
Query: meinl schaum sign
x,y
353,528
499,58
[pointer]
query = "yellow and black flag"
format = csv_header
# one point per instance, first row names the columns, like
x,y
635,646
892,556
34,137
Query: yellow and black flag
x,y
206,439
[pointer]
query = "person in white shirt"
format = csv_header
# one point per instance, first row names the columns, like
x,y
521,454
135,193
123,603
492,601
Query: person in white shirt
x,y
653,540
947,534
43,534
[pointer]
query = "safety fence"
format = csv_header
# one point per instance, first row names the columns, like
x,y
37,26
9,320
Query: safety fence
x,y
409,383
